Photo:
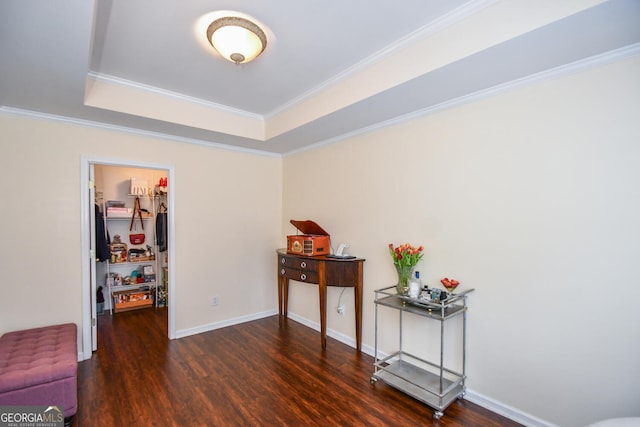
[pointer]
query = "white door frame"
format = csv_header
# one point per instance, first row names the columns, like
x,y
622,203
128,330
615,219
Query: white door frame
x,y
85,223
92,259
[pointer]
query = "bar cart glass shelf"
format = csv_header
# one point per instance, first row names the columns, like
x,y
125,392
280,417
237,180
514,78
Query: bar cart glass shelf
x,y
428,381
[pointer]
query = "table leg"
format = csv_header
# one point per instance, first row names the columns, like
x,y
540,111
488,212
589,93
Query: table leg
x,y
285,297
280,295
358,297
322,289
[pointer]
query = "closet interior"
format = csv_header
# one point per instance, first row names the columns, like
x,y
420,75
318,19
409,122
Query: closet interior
x,y
131,238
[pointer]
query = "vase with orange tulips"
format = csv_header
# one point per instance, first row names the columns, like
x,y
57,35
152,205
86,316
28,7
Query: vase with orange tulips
x,y
405,257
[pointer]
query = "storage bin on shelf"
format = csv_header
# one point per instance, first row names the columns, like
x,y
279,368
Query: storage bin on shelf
x,y
131,300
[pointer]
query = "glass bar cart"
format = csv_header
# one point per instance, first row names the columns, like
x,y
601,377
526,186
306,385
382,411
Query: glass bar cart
x,y
428,381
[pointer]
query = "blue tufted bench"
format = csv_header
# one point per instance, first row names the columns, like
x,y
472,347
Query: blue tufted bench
x,y
39,367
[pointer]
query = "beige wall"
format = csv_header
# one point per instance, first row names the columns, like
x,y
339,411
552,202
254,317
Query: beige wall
x,y
530,197
227,222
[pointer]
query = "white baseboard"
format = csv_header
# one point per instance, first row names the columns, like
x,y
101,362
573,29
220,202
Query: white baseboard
x,y
506,410
331,333
229,322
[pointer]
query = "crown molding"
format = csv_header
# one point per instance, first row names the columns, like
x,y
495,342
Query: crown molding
x,y
571,68
443,22
131,131
553,73
106,78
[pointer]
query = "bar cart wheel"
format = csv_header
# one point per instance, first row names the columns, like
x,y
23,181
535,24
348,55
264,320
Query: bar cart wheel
x,y
437,415
373,380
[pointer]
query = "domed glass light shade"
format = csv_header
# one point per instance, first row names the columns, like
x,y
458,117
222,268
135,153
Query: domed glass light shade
x,y
236,39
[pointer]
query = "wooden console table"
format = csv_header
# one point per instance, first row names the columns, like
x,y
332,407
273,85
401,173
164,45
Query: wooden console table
x,y
322,271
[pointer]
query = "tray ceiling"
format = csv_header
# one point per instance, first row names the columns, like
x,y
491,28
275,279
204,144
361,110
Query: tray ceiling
x,y
330,69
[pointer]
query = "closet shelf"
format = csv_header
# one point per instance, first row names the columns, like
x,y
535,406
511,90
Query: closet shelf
x,y
149,261
142,196
128,217
133,287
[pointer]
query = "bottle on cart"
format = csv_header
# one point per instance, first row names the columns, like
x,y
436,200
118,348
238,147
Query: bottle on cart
x,y
415,285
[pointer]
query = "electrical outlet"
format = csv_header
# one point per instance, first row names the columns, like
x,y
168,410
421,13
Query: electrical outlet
x,y
341,309
214,300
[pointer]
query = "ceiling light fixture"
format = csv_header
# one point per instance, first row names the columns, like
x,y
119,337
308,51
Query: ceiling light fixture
x,y
236,39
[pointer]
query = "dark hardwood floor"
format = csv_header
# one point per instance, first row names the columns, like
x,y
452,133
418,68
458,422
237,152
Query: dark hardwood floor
x,y
260,373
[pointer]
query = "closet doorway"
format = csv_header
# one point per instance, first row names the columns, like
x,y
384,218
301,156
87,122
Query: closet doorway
x,y
129,232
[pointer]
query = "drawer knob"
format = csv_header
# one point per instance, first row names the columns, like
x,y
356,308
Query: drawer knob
x,y
303,264
283,260
303,276
282,271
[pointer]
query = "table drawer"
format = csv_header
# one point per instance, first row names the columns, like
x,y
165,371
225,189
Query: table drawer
x,y
299,275
297,263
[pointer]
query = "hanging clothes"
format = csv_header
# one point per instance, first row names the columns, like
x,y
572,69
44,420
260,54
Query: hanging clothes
x,y
103,252
161,231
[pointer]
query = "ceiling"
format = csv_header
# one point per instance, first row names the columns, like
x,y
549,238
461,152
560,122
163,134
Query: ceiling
x,y
330,69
